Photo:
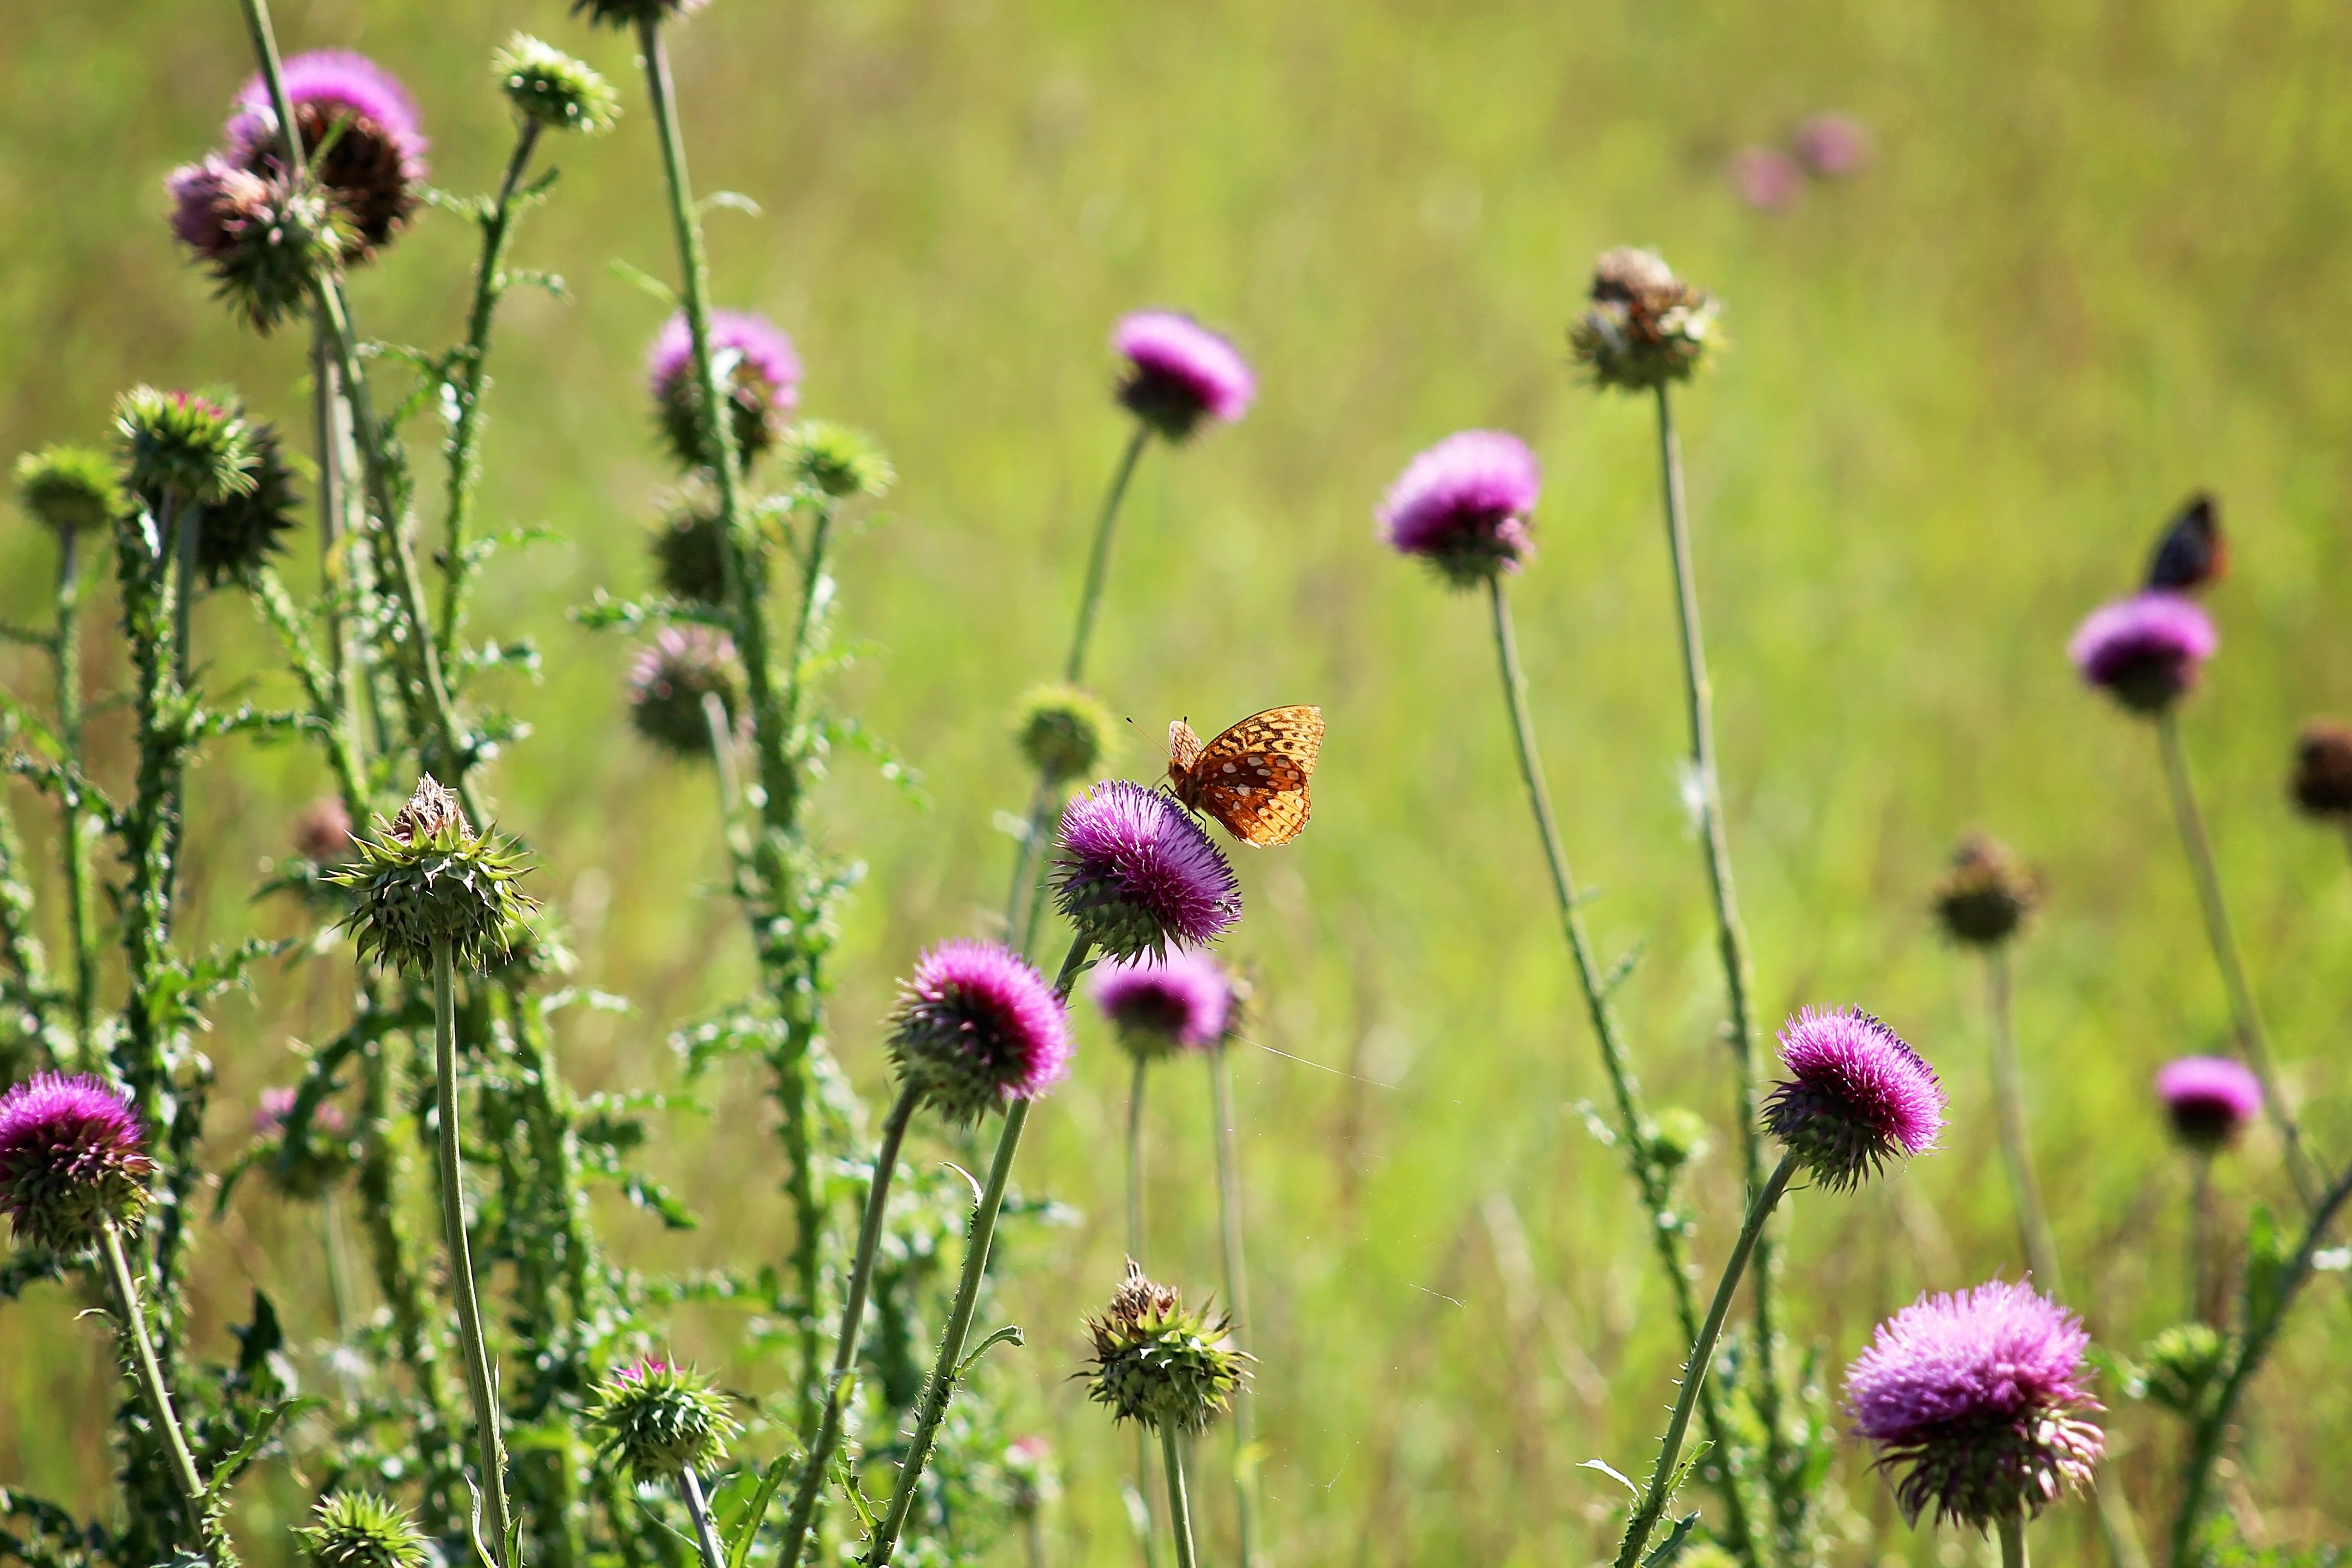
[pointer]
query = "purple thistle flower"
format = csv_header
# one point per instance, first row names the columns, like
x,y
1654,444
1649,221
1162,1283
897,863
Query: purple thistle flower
x,y
755,362
1833,145
2146,650
1978,1394
1765,178
670,683
69,1159
1160,1004
376,163
2209,1101
1138,873
1462,506
1856,1097
1178,373
978,1028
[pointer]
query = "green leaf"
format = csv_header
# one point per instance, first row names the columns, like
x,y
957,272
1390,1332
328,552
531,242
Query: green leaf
x,y
1671,1548
640,278
2270,1254
1009,1333
739,1544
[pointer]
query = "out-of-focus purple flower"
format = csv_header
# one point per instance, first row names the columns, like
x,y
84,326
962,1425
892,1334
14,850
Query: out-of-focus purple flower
x,y
1765,178
2210,1100
1029,1464
1462,506
1856,1096
1833,145
1977,1396
978,1028
70,1160
1160,1005
269,1113
1138,874
754,361
323,831
672,682
375,167
2146,650
1178,373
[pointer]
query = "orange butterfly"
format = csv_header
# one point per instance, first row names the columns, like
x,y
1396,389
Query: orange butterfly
x,y
1252,778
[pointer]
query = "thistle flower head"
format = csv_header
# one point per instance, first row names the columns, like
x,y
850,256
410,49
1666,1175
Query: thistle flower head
x,y
624,14
2179,1365
305,1161
2145,651
360,137
548,88
362,1530
1856,1096
323,831
1137,873
1462,506
659,1419
1178,373
2322,782
1977,1398
1986,895
70,1160
1063,731
1158,1364
185,445
71,489
426,877
1158,1005
1833,145
237,535
758,371
978,1028
837,461
1036,1482
2209,1101
1645,327
690,545
265,242
671,685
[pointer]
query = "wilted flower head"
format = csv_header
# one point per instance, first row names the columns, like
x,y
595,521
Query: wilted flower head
x,y
1987,894
1766,178
265,242
1832,145
361,1530
1159,1365
2210,1100
373,168
661,1419
671,685
1462,506
70,1160
1063,731
626,14
323,831
1645,327
71,489
2146,650
1138,873
1178,373
1029,1466
546,86
426,876
978,1028
837,461
1162,1004
1977,1396
1856,1096
755,364
186,446
2322,782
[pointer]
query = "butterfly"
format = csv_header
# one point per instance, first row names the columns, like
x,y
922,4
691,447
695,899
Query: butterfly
x,y
2191,553
1252,778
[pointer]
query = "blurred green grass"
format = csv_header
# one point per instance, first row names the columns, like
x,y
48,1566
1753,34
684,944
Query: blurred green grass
x,y
2100,259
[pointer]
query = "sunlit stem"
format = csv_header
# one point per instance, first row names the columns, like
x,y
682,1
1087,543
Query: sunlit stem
x,y
150,1372
706,1535
1180,1505
76,828
2016,1147
480,1382
1229,1229
2012,1541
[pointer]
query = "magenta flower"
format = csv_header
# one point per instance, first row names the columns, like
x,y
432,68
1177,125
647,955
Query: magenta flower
x,y
1765,178
1160,1004
671,683
2209,1101
376,165
976,1029
754,361
70,1160
2144,650
1978,1395
1462,506
1178,373
1833,145
1138,873
1856,1096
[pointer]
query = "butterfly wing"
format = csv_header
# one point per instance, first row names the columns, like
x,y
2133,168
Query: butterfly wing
x,y
2192,550
1253,777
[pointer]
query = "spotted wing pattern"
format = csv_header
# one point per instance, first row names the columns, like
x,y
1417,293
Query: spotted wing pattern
x,y
1253,777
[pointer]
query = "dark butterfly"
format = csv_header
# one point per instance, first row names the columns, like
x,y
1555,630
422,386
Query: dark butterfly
x,y
2192,553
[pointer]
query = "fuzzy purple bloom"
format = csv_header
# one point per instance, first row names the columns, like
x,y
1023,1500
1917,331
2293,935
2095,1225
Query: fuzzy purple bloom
x,y
1462,506
978,1028
756,365
1765,178
1160,1005
1978,1396
2146,650
1138,873
671,684
2210,1100
1833,145
69,1159
375,165
1178,373
1856,1096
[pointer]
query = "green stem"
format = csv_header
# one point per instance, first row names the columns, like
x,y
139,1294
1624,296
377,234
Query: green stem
x,y
2013,1541
1702,1353
1032,1540
853,1315
705,1538
1135,1156
480,1382
2203,1306
941,1386
809,618
82,923
2016,1146
1025,865
1229,1229
150,1373
1098,556
1179,1506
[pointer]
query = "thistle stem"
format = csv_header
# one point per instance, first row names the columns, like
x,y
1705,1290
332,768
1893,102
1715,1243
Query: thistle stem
x,y
1180,1505
1135,1157
1229,1229
706,1537
941,1386
2203,1306
81,921
151,1374
2016,1146
1662,1478
480,1381
328,436
2013,1541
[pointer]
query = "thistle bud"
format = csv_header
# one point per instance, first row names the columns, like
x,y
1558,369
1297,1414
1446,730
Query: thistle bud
x,y
361,1530
1063,731
236,535
1677,1138
71,1161
548,88
1158,1364
71,489
2322,782
1986,895
425,877
837,461
1645,327
690,546
660,1419
265,242
671,686
1138,874
184,445
976,1029
2179,1365
625,14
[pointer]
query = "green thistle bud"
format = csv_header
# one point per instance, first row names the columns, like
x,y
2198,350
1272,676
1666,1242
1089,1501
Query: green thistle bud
x,y
1063,731
836,459
690,546
1159,1365
186,446
71,489
426,877
236,535
1986,895
1645,327
1677,1138
626,14
361,1530
548,85
661,1419
2179,1365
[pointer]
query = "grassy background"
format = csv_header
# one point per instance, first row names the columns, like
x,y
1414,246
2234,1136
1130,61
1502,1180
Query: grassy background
x,y
2099,260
